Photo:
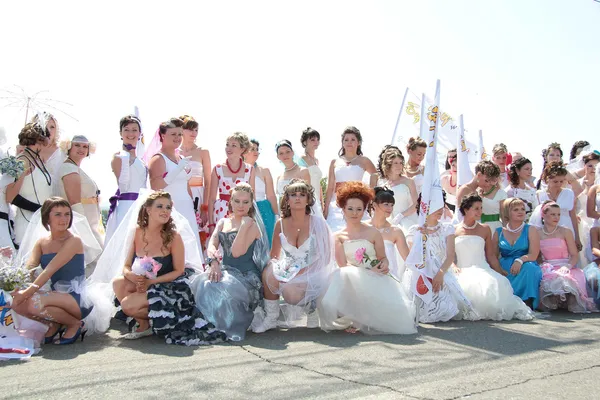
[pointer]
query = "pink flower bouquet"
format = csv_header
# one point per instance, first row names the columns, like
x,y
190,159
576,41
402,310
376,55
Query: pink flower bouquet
x,y
146,266
362,257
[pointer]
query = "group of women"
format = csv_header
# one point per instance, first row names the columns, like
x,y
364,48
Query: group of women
x,y
255,251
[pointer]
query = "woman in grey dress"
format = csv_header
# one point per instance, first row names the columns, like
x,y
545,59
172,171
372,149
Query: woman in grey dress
x,y
231,289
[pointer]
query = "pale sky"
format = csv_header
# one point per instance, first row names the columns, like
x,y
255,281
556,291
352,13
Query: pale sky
x,y
525,72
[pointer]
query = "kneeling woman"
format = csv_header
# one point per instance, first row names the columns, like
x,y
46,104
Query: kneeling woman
x,y
486,287
303,257
61,257
229,292
154,287
362,294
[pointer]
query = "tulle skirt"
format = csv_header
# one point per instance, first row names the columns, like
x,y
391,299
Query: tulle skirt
x,y
491,294
363,299
562,287
116,217
5,236
175,317
592,278
266,212
230,303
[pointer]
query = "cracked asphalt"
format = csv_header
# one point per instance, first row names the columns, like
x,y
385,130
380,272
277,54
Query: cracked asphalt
x,y
553,357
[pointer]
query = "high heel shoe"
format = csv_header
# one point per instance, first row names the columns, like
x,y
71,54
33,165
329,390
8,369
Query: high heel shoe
x,y
80,332
50,339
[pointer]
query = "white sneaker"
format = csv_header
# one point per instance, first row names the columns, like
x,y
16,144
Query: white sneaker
x,y
312,320
270,321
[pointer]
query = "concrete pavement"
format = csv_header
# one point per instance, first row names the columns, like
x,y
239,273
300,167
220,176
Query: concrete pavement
x,y
557,357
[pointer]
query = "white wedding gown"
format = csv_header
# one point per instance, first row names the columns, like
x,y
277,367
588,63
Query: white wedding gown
x,y
364,299
490,293
343,173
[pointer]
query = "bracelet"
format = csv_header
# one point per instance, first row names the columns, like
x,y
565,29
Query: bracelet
x,y
204,207
519,261
211,225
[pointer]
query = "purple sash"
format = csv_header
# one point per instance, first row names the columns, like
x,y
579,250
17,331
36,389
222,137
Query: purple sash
x,y
118,196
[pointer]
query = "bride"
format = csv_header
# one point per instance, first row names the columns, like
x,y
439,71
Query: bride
x,y
362,295
486,287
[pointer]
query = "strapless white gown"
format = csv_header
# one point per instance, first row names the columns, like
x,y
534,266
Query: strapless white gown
x,y
343,173
315,180
363,299
490,293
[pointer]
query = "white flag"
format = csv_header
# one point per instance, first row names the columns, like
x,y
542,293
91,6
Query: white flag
x,y
482,154
463,169
408,123
431,199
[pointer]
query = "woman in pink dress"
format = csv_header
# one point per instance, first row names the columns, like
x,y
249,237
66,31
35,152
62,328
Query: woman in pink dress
x,y
563,283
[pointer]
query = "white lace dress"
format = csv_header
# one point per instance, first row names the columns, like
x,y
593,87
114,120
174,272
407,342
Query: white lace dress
x,y
360,298
450,301
343,173
490,293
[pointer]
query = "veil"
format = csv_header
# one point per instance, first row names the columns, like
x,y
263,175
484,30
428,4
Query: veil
x,y
80,227
153,147
577,163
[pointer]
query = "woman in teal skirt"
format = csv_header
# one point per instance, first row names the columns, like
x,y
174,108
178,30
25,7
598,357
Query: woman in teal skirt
x,y
517,248
264,191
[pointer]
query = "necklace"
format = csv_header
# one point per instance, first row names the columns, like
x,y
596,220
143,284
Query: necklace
x,y
187,150
291,168
451,185
72,161
237,170
549,233
311,158
348,162
35,158
488,192
412,170
508,228
469,227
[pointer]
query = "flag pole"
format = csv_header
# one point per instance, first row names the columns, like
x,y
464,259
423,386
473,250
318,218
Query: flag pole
x,y
399,115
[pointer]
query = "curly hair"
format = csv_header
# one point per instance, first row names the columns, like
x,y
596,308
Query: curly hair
x,y
243,187
168,230
386,157
415,142
468,201
353,190
578,145
307,134
553,169
189,122
242,139
49,205
499,149
130,119
507,206
296,186
515,167
351,130
488,169
551,146
32,134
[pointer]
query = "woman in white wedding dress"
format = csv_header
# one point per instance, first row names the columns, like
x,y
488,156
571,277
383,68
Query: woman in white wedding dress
x,y
311,139
362,295
391,170
394,240
350,166
487,288
171,173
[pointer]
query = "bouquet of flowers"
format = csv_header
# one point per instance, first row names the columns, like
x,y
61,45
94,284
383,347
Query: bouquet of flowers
x,y
12,166
12,278
362,257
146,266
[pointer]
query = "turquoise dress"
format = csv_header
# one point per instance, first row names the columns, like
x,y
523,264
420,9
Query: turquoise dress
x,y
526,284
70,278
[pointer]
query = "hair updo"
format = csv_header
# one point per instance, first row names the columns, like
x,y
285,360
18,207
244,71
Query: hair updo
x,y
243,187
386,157
591,157
467,202
515,167
308,134
296,186
415,142
488,169
384,195
32,134
130,119
577,146
189,122
500,148
351,130
554,169
353,190
242,139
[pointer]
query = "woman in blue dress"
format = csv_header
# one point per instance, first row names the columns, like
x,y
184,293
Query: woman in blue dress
x,y
518,249
231,289
61,256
